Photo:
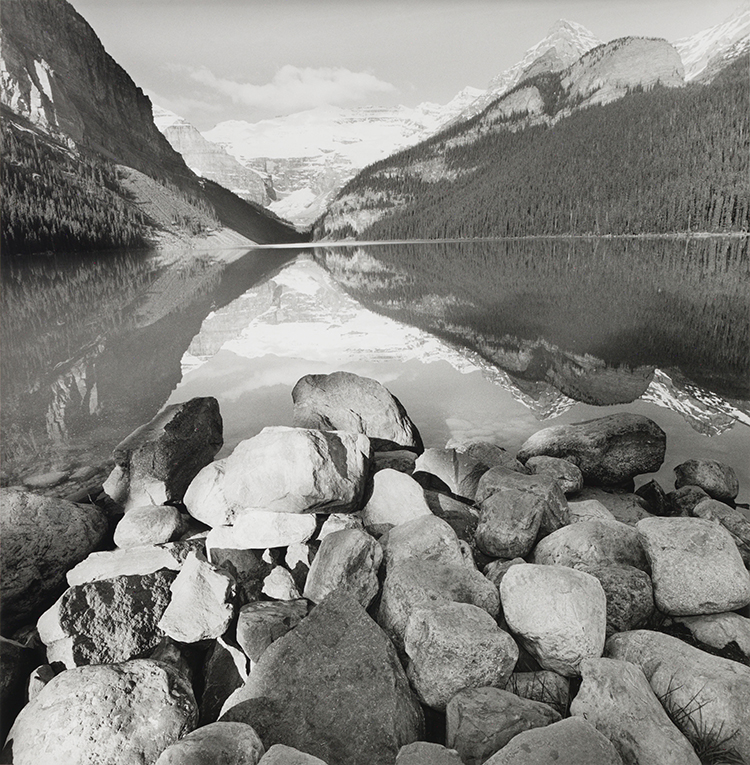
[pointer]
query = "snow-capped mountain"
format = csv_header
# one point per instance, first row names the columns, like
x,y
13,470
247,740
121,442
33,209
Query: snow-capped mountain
x,y
703,50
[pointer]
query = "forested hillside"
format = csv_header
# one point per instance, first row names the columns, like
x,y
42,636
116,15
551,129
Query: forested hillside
x,y
658,161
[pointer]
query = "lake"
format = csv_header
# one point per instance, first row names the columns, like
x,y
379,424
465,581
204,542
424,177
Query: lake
x,y
482,339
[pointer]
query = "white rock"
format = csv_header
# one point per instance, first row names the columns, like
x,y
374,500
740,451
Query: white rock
x,y
427,538
260,530
396,498
279,585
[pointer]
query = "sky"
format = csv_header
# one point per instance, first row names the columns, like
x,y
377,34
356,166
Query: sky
x,y
216,60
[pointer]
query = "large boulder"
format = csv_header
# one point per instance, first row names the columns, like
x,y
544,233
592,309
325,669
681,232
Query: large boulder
x,y
696,567
395,498
515,509
630,596
219,743
569,742
715,478
413,584
708,697
333,687
608,450
345,401
260,624
108,714
157,462
347,561
455,646
558,613
481,721
106,621
591,543
732,519
149,525
426,537
283,470
458,472
616,698
42,538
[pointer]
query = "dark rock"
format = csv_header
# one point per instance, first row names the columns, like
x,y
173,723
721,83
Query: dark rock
x,y
492,455
400,459
718,480
345,401
630,596
224,671
332,687
655,498
544,686
459,472
683,501
260,624
497,569
246,567
726,635
608,450
16,661
462,518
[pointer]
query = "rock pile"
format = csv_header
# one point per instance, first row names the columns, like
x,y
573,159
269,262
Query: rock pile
x,y
332,594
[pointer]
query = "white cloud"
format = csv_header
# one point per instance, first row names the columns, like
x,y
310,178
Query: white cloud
x,y
295,89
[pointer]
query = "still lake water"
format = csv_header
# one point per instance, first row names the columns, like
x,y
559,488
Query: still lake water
x,y
487,339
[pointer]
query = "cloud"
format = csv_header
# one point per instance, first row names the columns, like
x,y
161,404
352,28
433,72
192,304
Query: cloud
x,y
294,88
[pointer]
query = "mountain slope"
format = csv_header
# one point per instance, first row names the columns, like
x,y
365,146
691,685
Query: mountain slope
x,y
76,125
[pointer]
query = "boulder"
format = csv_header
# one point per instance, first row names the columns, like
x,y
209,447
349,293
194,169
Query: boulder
x,y
339,522
224,671
559,614
626,507
396,498
106,621
259,624
682,501
149,525
726,634
696,567
42,538
481,721
630,596
157,462
489,454
569,742
347,561
279,754
427,538
246,567
547,687
454,646
205,499
333,687
707,697
413,584
609,450
220,743
515,509
458,472
718,480
732,519
108,714
201,606
462,518
425,753
345,401
591,543
568,476
261,529
616,698
497,569
588,510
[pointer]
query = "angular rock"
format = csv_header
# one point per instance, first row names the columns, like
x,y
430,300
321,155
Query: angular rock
x,y
454,646
682,501
588,510
481,721
106,621
338,652
339,522
396,498
705,695
246,567
149,525
345,401
280,585
547,687
630,596
616,698
718,480
201,606
696,567
591,543
413,584
279,754
462,518
609,450
732,519
459,472
425,753
515,509
727,634
227,743
427,538
260,530
259,624
569,742
625,507
42,538
157,462
568,476
224,671
347,561
559,614
108,714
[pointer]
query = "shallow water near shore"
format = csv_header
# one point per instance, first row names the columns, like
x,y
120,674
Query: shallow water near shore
x,y
487,340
